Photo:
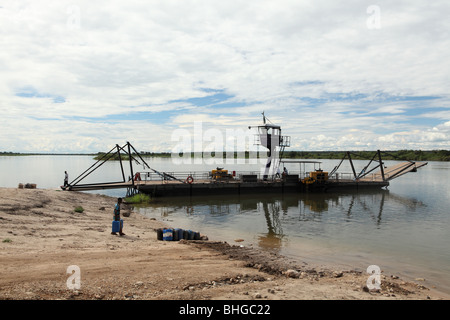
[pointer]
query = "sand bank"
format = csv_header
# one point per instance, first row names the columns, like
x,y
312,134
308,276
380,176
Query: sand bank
x,y
42,235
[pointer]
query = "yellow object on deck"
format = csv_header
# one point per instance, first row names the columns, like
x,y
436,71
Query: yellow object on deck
x,y
319,175
308,180
220,173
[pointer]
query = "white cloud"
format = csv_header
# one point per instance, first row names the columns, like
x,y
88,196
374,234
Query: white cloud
x,y
110,58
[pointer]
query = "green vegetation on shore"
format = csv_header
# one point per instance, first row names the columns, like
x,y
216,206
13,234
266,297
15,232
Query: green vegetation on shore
x,y
138,198
111,156
79,209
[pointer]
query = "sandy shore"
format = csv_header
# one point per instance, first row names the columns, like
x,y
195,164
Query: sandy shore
x,y
42,235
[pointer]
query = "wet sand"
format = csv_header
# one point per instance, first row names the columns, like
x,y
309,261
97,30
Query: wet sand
x,y
42,235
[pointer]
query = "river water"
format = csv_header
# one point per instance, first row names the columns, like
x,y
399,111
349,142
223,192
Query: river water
x,y
404,229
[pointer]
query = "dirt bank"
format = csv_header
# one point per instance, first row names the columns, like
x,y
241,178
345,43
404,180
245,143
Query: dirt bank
x,y
42,235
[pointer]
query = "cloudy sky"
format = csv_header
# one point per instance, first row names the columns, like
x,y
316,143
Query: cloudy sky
x,y
81,76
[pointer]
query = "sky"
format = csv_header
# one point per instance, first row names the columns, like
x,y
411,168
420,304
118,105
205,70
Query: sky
x,y
82,76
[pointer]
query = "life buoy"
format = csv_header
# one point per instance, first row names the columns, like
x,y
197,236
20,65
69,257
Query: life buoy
x,y
189,179
137,176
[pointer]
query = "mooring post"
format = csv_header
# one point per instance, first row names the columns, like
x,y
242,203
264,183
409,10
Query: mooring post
x,y
120,160
131,164
381,165
351,163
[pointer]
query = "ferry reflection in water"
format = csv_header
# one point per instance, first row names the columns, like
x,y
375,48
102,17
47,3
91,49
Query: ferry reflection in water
x,y
278,221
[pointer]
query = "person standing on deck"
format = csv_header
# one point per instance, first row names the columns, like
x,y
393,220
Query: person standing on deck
x,y
278,174
117,216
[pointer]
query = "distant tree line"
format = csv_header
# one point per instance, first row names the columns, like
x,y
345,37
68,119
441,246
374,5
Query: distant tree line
x,y
125,156
13,154
156,154
415,155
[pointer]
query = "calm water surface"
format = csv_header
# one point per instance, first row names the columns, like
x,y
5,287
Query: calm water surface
x,y
404,230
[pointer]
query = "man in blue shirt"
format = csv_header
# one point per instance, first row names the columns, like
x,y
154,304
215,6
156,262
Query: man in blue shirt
x,y
117,216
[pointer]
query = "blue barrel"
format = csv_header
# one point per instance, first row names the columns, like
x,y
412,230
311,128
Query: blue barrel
x,y
196,235
177,234
167,234
180,234
159,234
116,225
191,235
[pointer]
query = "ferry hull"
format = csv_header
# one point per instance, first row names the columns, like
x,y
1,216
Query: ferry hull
x,y
263,187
